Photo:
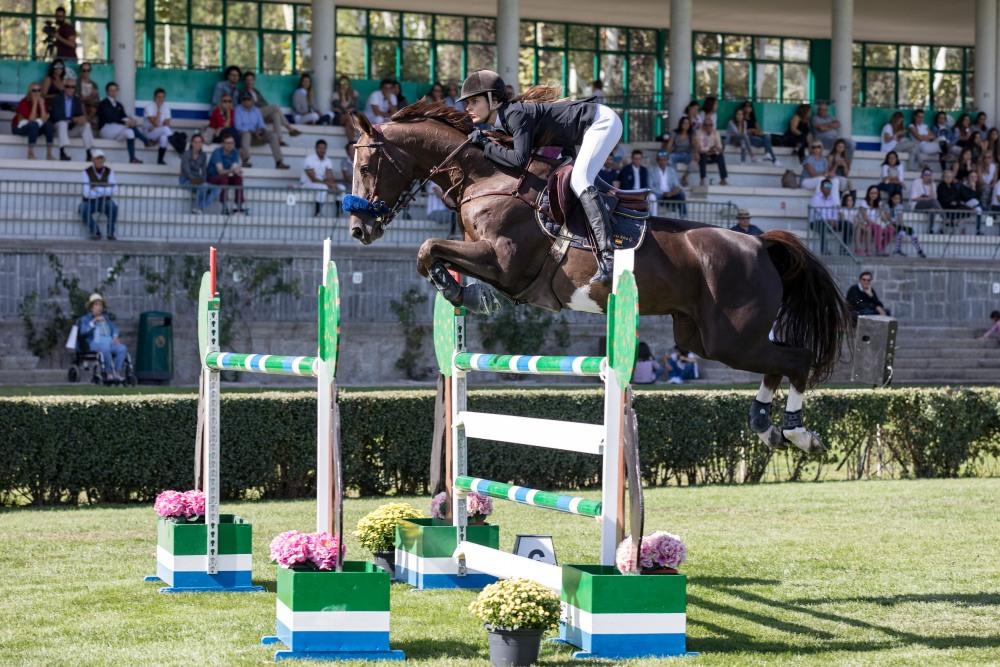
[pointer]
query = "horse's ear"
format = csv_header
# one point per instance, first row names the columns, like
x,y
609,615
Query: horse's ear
x,y
362,124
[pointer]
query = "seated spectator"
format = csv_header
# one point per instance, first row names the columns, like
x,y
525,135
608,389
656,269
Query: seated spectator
x,y
845,221
974,185
103,337
758,138
230,85
824,210
397,90
249,122
870,226
31,120
955,196
99,189
225,171
345,101
894,135
597,91
666,186
840,162
744,225
55,78
921,135
708,146
989,171
991,145
681,147
382,103
826,129
898,228
816,169
271,112
707,112
993,331
451,99
157,120
693,112
797,134
317,174
305,112
893,175
647,370
739,135
113,123
70,120
435,94
220,123
946,138
963,134
609,173
634,176
437,209
194,176
923,192
995,197
863,299
966,165
982,129
682,365
89,92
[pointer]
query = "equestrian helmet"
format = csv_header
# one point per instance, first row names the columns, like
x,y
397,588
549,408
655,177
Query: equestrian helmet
x,y
482,82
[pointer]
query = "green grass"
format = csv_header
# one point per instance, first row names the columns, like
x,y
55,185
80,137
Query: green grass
x,y
859,573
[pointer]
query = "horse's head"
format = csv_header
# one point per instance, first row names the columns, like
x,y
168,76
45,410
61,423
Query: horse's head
x,y
383,173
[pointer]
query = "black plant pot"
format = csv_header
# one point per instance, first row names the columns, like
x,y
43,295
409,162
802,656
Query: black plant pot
x,y
387,561
514,648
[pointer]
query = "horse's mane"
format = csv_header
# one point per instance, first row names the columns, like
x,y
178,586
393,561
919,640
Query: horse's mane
x,y
424,110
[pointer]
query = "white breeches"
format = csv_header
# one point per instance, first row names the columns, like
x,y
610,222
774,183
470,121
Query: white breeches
x,y
598,141
159,135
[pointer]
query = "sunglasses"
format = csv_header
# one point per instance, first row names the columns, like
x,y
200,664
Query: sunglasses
x,y
70,87
36,90
227,101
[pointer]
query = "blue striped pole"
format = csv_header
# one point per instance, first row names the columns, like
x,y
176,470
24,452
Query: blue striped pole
x,y
532,497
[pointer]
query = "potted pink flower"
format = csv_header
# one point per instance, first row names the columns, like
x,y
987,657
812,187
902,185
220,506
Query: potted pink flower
x,y
659,553
184,505
478,505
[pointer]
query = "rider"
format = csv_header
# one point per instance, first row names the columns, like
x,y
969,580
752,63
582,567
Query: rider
x,y
594,127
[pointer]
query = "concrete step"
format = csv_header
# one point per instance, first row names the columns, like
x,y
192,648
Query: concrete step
x,y
37,376
946,376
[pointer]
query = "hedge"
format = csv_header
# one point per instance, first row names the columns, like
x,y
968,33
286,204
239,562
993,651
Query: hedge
x,y
126,449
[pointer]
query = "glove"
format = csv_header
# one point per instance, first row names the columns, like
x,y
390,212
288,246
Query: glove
x,y
478,138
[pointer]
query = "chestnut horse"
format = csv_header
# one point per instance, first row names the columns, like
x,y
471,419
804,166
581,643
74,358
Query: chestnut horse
x,y
761,304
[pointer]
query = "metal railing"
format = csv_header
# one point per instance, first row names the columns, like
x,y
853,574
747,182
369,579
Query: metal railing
x,y
276,215
958,234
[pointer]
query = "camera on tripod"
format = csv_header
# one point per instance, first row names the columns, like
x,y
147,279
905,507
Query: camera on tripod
x,y
50,30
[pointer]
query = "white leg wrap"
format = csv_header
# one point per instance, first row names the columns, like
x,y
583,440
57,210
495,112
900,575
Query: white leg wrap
x,y
765,395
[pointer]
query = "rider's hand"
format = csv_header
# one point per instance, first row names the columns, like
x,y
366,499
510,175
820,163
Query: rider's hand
x,y
478,138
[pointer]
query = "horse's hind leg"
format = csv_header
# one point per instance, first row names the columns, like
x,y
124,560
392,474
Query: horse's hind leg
x,y
760,412
792,426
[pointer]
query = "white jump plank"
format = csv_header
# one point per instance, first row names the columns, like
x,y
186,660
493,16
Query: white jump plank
x,y
508,566
567,436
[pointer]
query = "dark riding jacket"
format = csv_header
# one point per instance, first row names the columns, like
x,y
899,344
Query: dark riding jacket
x,y
535,124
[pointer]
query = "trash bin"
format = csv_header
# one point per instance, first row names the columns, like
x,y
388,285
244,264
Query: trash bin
x,y
155,350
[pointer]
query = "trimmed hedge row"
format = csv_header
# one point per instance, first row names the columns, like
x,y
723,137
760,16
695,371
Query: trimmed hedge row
x,y
127,449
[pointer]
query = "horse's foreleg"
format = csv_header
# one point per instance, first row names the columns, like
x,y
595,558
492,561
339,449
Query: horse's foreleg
x,y
476,259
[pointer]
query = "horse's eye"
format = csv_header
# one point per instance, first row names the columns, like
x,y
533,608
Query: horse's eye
x,y
363,169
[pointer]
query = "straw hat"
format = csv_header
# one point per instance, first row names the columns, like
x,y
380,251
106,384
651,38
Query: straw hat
x,y
93,298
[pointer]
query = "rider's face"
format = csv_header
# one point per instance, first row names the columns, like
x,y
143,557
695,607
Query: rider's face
x,y
479,108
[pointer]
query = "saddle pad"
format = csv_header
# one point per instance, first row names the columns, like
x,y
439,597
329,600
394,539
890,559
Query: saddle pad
x,y
628,227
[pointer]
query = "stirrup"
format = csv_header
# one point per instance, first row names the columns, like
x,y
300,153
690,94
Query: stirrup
x,y
605,262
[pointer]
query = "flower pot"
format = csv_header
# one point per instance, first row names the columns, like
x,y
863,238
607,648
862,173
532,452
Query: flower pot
x,y
514,648
478,520
182,555
424,550
659,570
387,561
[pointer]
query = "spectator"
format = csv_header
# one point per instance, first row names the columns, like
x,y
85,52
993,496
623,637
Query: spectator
x,y
739,135
692,110
869,225
824,209
609,174
981,127
666,185
992,144
228,86
893,174
249,122
955,196
194,175
347,167
271,112
920,134
964,135
89,92
845,221
988,169
225,171
647,370
99,189
816,169
345,100
994,197
397,90
317,174
305,112
682,365
863,299
974,185
597,91
31,120
437,209
65,36
635,176
708,112
55,79
681,147
744,225
382,103
923,194
797,135
70,120
826,129
157,118
840,163
220,122
452,99
945,137
758,138
708,146
113,123
509,89
898,228
993,331
966,165
103,337
894,135
435,95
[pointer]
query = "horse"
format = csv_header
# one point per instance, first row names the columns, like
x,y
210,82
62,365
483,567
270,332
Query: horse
x,y
762,304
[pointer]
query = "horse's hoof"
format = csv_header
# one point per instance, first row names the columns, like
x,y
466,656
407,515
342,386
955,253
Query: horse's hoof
x,y
805,440
760,417
773,438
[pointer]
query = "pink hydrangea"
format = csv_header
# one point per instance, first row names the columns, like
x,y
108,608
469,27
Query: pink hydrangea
x,y
478,504
170,504
324,551
195,503
294,549
661,549
278,543
438,505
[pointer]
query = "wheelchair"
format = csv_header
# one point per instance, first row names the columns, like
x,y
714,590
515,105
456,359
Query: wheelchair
x,y
84,360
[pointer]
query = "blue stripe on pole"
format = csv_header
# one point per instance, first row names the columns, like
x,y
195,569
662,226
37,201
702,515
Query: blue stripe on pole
x,y
524,363
521,493
566,364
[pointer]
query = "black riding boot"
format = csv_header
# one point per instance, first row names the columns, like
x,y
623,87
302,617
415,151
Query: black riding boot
x,y
600,224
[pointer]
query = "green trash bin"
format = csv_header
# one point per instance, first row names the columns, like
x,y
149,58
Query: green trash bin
x,y
155,350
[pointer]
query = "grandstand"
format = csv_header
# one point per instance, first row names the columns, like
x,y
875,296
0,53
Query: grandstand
x,y
652,57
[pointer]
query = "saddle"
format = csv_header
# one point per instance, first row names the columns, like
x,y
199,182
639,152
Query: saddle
x,y
561,217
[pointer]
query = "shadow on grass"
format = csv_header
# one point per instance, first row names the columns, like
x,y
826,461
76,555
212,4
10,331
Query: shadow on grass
x,y
730,641
552,653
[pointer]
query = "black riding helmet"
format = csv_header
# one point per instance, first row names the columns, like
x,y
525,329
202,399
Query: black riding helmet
x,y
484,82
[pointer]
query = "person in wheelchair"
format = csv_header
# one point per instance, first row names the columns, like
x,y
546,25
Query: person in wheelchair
x,y
101,336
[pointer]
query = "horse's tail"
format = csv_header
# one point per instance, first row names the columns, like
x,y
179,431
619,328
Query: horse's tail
x,y
813,313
